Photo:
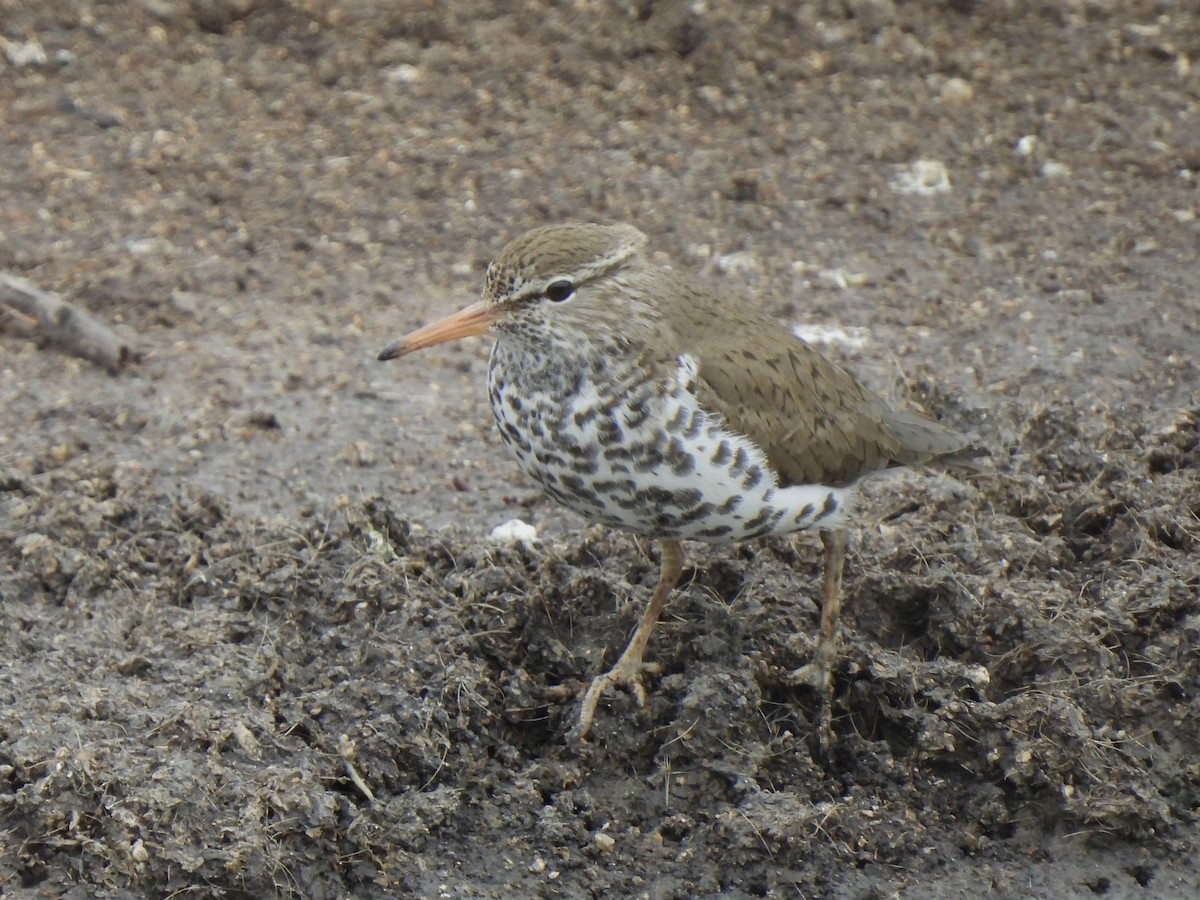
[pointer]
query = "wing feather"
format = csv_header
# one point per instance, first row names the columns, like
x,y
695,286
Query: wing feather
x,y
813,420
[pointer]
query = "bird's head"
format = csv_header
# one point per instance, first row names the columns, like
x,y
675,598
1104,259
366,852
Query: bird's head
x,y
550,281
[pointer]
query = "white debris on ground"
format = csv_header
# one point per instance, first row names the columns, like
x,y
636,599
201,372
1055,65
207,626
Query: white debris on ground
x,y
924,177
853,336
514,531
737,263
24,53
839,279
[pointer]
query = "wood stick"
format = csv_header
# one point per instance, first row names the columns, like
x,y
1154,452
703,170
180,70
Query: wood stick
x,y
65,324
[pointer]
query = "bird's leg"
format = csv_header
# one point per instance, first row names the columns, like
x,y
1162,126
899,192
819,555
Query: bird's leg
x,y
627,672
819,672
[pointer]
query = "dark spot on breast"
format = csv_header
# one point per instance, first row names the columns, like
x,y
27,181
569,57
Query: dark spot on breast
x,y
585,465
641,412
513,436
647,455
608,431
695,514
564,441
617,451
656,496
664,519
612,487
682,462
759,520
626,501
648,463
578,489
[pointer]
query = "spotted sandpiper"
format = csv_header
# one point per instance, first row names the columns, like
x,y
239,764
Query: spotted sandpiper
x,y
647,401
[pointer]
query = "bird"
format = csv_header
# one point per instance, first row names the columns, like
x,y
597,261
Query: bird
x,y
652,402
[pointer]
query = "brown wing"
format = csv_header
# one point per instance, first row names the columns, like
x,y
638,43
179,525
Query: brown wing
x,y
813,420
815,423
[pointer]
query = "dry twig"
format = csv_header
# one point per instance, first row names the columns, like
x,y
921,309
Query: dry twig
x,y
65,324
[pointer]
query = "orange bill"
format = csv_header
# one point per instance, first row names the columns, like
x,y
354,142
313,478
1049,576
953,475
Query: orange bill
x,y
472,320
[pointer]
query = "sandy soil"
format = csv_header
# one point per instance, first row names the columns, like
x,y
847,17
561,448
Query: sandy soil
x,y
255,639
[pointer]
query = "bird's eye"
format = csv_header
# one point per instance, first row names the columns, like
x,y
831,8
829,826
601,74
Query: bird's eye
x,y
558,291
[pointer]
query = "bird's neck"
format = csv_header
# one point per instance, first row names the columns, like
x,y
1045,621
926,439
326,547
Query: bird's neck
x,y
539,345
554,364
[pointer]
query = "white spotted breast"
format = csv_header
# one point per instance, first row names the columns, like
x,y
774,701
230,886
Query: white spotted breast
x,y
640,454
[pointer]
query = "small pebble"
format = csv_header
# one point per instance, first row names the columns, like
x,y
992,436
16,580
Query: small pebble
x,y
956,92
1026,145
923,177
514,531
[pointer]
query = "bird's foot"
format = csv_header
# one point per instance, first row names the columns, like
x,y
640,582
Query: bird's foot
x,y
627,673
818,675
629,668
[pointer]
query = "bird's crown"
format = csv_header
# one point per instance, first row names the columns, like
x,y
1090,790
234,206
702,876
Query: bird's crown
x,y
558,255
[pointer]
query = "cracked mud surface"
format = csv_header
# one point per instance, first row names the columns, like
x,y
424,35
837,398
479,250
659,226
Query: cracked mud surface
x,y
247,583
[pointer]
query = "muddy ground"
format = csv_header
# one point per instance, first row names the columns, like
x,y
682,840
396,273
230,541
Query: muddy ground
x,y
256,641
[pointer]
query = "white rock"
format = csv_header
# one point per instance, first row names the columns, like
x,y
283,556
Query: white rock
x,y
736,263
956,92
402,74
1026,145
24,53
514,531
923,177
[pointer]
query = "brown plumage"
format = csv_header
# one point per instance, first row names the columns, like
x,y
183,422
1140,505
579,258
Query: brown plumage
x,y
813,420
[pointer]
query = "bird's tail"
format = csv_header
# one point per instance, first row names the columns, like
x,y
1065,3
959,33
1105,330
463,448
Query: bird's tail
x,y
924,441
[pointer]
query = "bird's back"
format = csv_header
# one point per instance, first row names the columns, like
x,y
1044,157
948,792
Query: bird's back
x,y
814,421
